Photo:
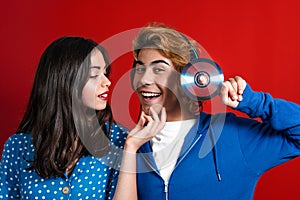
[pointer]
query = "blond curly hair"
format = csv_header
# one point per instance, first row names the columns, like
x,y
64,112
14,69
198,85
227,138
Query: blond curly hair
x,y
172,45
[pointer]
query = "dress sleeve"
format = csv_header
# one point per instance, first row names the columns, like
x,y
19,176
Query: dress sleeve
x,y
275,137
117,137
10,168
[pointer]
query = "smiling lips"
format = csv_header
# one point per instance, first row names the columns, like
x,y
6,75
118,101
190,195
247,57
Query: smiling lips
x,y
104,96
149,96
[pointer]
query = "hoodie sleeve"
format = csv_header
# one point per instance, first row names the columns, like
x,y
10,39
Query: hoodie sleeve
x,y
274,140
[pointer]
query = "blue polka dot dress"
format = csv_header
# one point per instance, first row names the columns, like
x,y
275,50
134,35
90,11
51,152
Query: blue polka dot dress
x,y
92,178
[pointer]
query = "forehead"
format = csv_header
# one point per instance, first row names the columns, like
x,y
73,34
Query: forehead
x,y
149,55
97,58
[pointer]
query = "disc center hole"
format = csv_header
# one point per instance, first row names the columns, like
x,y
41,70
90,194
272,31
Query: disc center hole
x,y
202,79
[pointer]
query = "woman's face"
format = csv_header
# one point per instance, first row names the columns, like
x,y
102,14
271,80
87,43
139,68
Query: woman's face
x,y
156,82
95,92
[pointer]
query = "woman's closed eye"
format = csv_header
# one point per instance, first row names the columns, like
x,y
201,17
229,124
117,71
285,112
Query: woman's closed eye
x,y
95,72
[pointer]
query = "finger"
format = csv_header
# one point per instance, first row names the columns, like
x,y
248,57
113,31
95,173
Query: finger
x,y
153,126
158,121
163,118
231,92
224,93
154,114
233,83
142,121
241,84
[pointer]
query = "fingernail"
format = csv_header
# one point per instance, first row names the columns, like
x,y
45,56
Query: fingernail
x,y
240,98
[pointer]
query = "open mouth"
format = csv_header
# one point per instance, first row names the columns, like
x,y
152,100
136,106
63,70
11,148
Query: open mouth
x,y
103,96
150,95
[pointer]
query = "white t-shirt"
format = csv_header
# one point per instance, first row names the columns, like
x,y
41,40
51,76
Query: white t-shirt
x,y
167,144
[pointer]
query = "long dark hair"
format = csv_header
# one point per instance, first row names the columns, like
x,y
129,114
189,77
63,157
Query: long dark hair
x,y
55,114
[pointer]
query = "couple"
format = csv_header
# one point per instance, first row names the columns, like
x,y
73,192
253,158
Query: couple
x,y
67,143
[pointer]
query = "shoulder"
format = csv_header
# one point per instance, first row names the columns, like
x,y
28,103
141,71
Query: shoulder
x,y
224,119
17,146
18,140
207,119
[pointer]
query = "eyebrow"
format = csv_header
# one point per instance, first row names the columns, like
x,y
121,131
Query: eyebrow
x,y
98,67
153,62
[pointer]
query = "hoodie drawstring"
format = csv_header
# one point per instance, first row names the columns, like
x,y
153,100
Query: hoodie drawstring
x,y
215,155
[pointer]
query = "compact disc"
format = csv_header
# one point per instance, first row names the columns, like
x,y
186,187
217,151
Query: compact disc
x,y
202,79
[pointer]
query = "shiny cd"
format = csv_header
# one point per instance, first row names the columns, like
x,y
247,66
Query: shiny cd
x,y
202,79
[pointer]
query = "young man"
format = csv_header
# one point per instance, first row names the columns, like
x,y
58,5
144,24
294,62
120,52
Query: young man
x,y
169,165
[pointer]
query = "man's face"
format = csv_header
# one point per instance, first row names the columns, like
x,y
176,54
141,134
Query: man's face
x,y
156,82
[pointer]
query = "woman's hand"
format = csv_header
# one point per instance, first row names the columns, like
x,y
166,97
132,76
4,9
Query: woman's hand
x,y
232,91
147,127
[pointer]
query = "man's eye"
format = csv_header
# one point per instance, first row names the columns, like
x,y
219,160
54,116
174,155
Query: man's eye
x,y
140,69
158,69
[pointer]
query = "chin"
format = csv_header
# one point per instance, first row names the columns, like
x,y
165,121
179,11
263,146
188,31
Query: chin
x,y
157,108
100,107
146,109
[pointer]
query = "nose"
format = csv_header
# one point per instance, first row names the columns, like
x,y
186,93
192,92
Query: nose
x,y
105,81
147,78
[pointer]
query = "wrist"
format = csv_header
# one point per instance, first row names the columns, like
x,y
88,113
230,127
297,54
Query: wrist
x,y
130,148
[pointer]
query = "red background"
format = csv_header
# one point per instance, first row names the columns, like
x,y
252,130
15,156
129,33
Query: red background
x,y
255,39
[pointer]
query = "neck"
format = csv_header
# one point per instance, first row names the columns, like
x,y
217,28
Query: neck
x,y
180,117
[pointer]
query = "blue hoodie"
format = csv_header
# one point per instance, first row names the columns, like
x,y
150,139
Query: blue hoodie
x,y
224,155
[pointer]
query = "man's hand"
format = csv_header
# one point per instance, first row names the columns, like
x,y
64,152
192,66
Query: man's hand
x,y
232,91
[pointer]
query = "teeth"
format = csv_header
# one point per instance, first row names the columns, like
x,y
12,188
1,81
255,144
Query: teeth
x,y
148,94
104,95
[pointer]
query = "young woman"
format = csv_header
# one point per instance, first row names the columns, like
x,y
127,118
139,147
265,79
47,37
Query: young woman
x,y
67,144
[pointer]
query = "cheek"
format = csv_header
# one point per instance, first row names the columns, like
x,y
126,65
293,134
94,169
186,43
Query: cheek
x,y
134,82
85,98
88,94
170,82
171,89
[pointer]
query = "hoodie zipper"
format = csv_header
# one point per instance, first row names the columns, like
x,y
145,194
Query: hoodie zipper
x,y
166,183
166,189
